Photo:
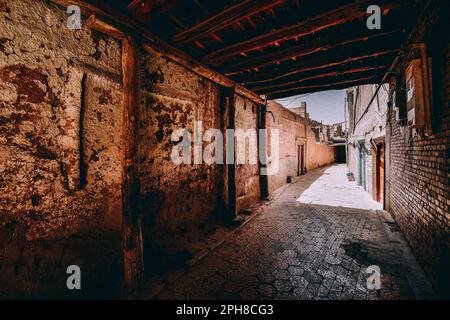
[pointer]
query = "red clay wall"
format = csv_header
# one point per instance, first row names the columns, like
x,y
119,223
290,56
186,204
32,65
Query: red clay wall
x,y
60,157
318,154
247,175
292,134
178,201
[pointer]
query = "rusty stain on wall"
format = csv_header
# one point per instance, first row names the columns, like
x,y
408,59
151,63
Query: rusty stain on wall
x,y
49,82
247,175
178,201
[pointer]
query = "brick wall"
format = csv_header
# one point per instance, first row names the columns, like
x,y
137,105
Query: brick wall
x,y
60,154
420,186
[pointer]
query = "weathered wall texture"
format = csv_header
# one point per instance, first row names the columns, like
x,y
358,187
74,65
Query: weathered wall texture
x,y
371,127
291,128
420,181
178,200
247,173
60,158
317,154
292,135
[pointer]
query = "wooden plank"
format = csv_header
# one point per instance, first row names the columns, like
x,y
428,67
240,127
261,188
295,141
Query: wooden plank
x,y
237,12
205,72
231,166
264,88
345,14
101,26
154,44
324,44
132,234
316,64
296,90
147,10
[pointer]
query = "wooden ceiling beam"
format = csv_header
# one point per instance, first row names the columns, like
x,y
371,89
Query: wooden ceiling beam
x,y
345,14
304,49
316,64
331,74
155,45
323,87
239,11
146,10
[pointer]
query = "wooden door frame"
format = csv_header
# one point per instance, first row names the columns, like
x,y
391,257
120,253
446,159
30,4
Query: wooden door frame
x,y
380,146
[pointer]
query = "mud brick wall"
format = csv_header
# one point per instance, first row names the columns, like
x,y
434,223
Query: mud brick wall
x,y
247,175
318,154
179,201
419,181
60,157
292,134
291,131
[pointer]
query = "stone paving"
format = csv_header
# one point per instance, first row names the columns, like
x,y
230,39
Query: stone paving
x,y
294,250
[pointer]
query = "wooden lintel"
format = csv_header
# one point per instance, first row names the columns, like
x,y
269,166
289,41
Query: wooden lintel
x,y
103,27
207,73
155,45
352,12
237,12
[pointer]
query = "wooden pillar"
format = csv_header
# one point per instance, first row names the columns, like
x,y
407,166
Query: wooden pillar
x,y
231,165
132,233
131,220
262,144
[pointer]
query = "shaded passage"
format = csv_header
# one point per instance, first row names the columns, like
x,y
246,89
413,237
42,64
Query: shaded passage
x,y
294,250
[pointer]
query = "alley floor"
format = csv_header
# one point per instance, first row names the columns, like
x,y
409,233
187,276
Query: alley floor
x,y
313,241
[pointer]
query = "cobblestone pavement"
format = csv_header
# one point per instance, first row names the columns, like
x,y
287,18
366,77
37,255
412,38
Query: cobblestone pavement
x,y
293,250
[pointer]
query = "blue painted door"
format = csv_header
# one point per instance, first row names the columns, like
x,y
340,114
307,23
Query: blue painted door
x,y
362,166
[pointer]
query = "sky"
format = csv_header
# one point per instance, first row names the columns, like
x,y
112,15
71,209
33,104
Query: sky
x,y
326,106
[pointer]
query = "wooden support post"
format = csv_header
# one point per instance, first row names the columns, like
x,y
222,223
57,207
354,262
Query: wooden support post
x,y
132,233
231,165
263,179
131,220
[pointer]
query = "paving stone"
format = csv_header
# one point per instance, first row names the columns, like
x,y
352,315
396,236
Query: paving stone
x,y
281,274
312,277
298,251
296,271
266,290
249,294
283,285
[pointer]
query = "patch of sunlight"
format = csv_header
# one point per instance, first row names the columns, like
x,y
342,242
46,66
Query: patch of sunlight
x,y
332,188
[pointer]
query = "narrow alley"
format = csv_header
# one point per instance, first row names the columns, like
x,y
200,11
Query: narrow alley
x,y
232,149
313,250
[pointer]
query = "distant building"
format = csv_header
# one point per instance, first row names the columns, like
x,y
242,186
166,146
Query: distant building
x,y
301,111
366,120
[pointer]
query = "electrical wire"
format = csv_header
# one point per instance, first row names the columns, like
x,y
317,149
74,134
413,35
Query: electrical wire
x,y
296,98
